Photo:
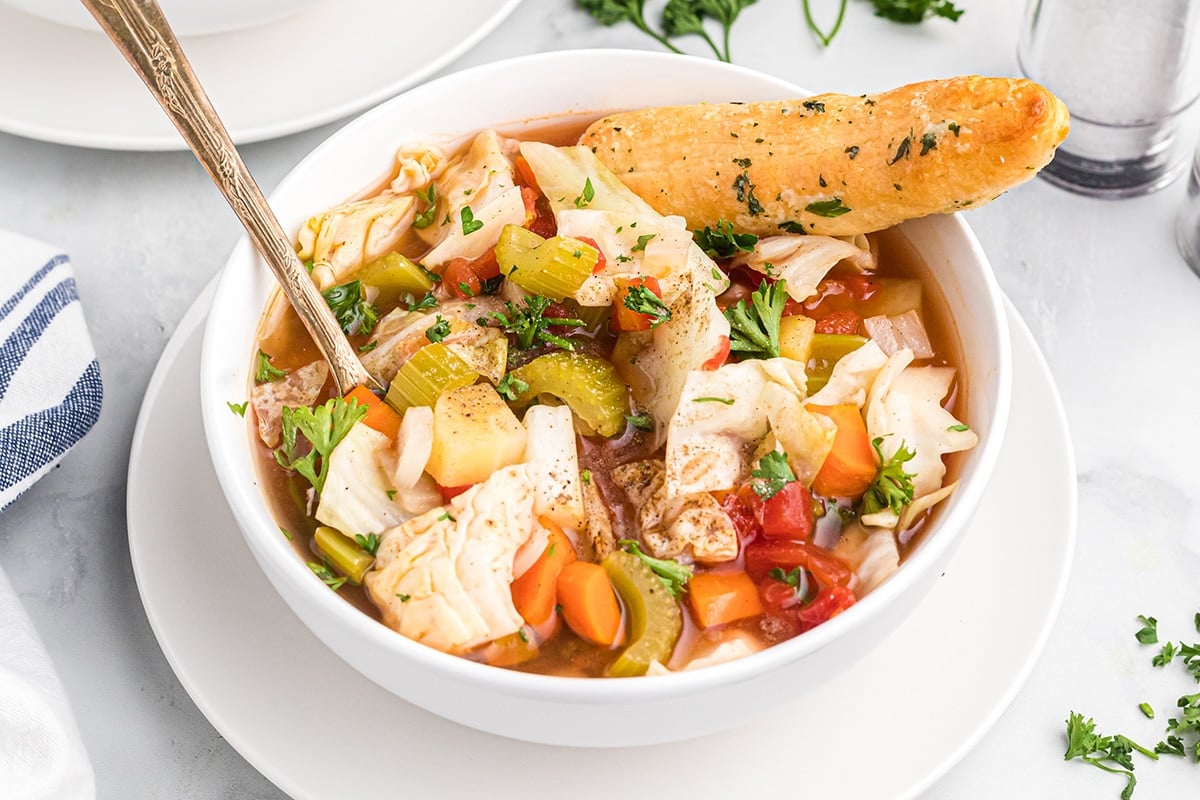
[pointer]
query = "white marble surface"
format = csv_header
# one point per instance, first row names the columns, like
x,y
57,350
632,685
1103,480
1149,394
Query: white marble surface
x,y
1109,300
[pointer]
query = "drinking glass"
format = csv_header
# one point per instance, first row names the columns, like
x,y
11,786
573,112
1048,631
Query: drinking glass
x,y
1130,74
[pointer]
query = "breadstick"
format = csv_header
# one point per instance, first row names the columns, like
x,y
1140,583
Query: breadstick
x,y
835,164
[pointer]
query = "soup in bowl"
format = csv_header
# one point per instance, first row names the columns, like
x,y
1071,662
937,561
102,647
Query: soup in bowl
x,y
627,470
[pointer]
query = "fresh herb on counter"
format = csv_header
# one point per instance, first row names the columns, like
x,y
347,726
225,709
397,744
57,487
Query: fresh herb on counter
x,y
679,18
906,12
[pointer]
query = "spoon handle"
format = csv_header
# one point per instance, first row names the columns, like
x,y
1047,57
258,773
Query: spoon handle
x,y
141,33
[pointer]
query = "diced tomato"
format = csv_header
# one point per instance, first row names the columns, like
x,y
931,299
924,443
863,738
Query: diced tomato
x,y
539,218
450,492
461,279
845,322
827,605
601,261
763,556
720,356
861,287
793,308
788,514
777,596
742,515
486,266
624,318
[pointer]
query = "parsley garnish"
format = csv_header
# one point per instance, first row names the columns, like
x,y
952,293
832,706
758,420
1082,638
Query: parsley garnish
x,y
370,542
348,302
792,227
828,208
586,475
953,126
238,408
911,12
928,142
772,474
903,150
642,241
439,330
425,218
754,329
744,190
587,195
469,223
326,575
1109,753
511,386
286,534
404,598
1148,634
530,327
644,301
726,400
265,371
1165,656
368,347
424,304
893,487
674,575
323,427
723,242
1146,709
797,578
391,494
851,151
815,106
643,421
446,515
959,428
523,635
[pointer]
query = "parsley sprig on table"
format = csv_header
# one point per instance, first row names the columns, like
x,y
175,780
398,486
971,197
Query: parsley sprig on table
x,y
1109,753
906,12
679,18
754,328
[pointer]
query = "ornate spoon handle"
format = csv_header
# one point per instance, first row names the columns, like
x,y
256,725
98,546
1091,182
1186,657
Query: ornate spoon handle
x,y
141,33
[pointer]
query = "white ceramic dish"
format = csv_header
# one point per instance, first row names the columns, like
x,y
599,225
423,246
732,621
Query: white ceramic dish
x,y
187,17
536,707
942,678
262,81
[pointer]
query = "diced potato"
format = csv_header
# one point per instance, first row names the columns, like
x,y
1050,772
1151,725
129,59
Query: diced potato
x,y
796,337
474,434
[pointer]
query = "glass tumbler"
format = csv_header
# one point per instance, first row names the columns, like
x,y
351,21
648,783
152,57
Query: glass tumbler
x,y
1130,74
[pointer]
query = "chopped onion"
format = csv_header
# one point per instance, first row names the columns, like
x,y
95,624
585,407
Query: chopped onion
x,y
414,445
902,331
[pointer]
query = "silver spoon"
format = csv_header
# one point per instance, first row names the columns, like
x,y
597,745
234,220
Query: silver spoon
x,y
141,33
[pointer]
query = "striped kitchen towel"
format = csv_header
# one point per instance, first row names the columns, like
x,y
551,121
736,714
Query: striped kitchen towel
x,y
50,388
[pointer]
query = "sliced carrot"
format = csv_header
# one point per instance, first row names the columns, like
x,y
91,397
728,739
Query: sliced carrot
x,y
380,415
720,597
589,603
851,465
534,592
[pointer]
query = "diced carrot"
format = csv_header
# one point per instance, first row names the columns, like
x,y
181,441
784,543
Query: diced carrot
x,y
720,597
851,465
589,603
534,592
380,415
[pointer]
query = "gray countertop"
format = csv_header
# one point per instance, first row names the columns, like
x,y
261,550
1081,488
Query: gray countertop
x,y
1100,284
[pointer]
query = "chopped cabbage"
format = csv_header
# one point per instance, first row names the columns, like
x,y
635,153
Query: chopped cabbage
x,y
554,464
402,333
300,387
799,261
872,554
852,376
899,332
359,497
562,173
342,239
443,578
416,166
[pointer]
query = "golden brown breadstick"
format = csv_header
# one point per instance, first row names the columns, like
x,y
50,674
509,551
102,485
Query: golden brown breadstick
x,y
835,164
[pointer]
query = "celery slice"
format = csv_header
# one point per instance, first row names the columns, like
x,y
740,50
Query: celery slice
x,y
553,268
394,276
433,369
653,618
343,554
827,350
589,385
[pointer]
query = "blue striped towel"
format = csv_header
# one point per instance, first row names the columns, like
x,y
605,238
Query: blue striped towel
x,y
50,390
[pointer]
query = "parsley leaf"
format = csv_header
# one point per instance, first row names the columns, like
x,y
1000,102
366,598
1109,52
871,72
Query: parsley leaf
x,y
424,304
469,223
425,218
348,302
370,542
643,421
587,195
797,578
674,575
439,330
1148,633
911,12
265,371
772,474
642,241
1109,753
682,17
510,387
754,329
893,487
238,408
644,301
743,188
828,208
723,242
814,106
323,427
724,400
610,12
326,575
1165,656
531,327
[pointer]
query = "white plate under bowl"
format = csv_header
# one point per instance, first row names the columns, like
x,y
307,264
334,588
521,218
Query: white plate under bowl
x,y
71,86
940,680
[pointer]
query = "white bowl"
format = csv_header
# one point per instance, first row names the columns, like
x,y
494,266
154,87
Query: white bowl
x,y
187,17
579,711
